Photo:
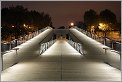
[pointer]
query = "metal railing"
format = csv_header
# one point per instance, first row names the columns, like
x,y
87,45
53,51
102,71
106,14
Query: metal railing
x,y
45,46
76,46
6,46
114,45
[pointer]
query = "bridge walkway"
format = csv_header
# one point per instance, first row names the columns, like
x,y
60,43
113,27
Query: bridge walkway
x,y
61,62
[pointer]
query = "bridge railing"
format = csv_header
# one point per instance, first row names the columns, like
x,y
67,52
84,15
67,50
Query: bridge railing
x,y
110,43
45,46
76,46
6,46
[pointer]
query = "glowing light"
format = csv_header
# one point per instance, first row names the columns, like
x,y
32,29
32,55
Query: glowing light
x,y
5,43
101,24
12,25
24,25
92,26
72,24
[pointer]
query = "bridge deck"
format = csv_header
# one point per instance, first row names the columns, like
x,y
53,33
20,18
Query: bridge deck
x,y
61,62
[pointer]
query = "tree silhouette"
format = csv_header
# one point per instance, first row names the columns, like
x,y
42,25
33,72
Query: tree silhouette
x,y
13,19
80,24
107,16
91,19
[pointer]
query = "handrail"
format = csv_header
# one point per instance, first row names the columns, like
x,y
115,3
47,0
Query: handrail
x,y
101,40
7,46
76,46
45,46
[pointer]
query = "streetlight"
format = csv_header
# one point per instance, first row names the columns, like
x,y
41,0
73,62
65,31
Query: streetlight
x,y
29,27
12,25
72,24
14,31
24,25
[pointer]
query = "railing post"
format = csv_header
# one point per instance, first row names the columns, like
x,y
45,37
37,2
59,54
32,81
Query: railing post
x,y
2,61
10,46
15,42
112,45
46,46
105,48
40,51
16,54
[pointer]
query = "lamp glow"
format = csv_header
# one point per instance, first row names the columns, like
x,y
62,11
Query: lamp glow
x,y
72,24
24,25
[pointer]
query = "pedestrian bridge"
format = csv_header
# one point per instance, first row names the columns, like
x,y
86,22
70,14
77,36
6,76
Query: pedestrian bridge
x,y
68,56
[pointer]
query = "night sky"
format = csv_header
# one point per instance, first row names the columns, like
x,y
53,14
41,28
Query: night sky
x,y
64,12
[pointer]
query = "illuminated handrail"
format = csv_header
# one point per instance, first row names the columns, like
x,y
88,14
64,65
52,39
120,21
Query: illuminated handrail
x,y
112,44
6,46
